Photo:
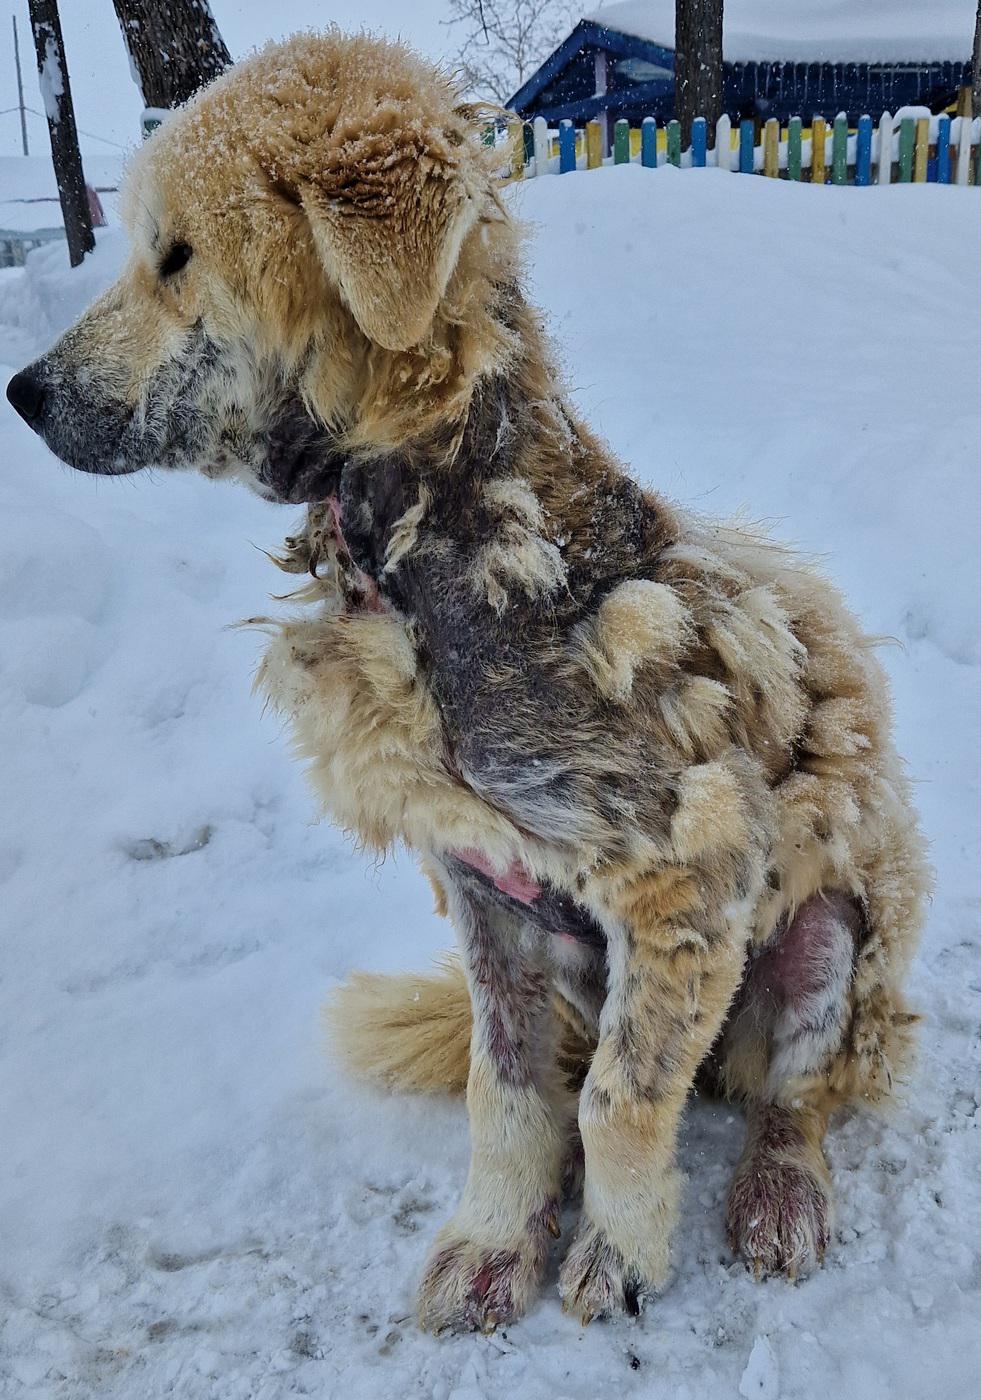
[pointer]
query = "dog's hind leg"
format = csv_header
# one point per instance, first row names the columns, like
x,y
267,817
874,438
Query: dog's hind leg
x,y
488,1259
787,1027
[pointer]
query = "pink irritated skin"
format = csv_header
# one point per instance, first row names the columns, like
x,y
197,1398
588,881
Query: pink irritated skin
x,y
516,882
795,966
372,594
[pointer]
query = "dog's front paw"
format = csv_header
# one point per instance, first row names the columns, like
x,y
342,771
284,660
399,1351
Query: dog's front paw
x,y
469,1287
778,1217
598,1280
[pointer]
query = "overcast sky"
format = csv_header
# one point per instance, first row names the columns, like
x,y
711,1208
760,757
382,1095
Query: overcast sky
x,y
107,103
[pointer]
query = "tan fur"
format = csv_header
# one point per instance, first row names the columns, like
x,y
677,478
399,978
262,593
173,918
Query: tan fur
x,y
733,758
410,1033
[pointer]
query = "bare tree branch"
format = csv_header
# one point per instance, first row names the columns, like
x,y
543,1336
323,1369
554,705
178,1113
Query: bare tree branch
x,y
503,41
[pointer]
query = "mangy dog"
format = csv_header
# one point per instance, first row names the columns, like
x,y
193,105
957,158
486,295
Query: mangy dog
x,y
646,760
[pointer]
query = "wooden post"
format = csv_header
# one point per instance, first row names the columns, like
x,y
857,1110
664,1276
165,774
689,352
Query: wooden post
x,y
594,145
723,142
964,150
699,142
20,91
567,147
907,142
621,142
771,149
922,152
674,143
747,155
943,149
885,148
818,151
648,143
793,148
863,152
57,98
540,129
839,151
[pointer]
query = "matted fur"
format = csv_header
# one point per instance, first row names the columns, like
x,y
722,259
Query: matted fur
x,y
666,740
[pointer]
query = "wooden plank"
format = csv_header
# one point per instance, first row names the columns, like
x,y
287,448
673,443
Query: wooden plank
x,y
863,152
818,151
567,147
747,153
699,142
885,149
648,143
793,148
771,149
921,152
839,150
943,150
907,144
540,132
621,142
674,143
594,145
723,143
964,150
516,139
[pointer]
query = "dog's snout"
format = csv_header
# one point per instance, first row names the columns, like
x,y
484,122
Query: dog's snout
x,y
26,392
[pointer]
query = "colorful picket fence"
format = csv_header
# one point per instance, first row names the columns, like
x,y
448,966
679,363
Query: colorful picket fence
x,y
909,149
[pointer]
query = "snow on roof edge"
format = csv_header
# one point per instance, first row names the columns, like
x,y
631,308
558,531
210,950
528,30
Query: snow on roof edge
x,y
928,31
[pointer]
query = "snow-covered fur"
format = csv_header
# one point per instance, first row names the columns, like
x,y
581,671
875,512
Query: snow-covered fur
x,y
645,758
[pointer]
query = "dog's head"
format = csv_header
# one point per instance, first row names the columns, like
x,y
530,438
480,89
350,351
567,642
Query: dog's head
x,y
308,237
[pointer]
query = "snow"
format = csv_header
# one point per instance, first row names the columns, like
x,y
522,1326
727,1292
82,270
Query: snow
x,y
833,31
193,1202
51,79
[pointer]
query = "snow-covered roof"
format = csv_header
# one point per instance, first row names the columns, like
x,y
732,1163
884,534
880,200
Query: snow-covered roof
x,y
832,31
29,191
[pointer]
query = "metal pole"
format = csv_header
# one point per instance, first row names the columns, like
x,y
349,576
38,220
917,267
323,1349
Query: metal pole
x,y
20,91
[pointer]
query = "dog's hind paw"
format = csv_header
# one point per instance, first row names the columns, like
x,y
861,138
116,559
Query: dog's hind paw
x,y
778,1218
470,1287
596,1280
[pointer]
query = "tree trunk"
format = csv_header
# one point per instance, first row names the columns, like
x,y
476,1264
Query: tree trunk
x,y
976,65
57,97
174,46
698,64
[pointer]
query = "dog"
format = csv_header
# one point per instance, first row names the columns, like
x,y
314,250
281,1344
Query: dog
x,y
645,759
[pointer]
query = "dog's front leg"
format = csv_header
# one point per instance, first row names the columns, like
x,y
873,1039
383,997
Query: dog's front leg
x,y
670,981
488,1259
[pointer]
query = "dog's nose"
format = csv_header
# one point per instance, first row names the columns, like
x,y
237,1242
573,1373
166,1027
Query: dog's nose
x,y
27,395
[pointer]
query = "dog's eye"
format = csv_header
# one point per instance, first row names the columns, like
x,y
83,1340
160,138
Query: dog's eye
x,y
178,257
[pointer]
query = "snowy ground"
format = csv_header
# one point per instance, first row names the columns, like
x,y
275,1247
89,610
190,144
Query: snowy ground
x,y
192,1203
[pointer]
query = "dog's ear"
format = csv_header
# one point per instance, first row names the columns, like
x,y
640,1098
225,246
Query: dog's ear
x,y
388,227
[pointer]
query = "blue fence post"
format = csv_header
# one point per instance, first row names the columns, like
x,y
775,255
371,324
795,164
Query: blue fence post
x,y
863,152
943,150
699,142
746,145
648,143
567,147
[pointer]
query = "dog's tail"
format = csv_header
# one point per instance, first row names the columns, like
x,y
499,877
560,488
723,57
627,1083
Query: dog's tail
x,y
407,1032
412,1032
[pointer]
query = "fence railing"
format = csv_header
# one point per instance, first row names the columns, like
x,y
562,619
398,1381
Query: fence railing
x,y
907,149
